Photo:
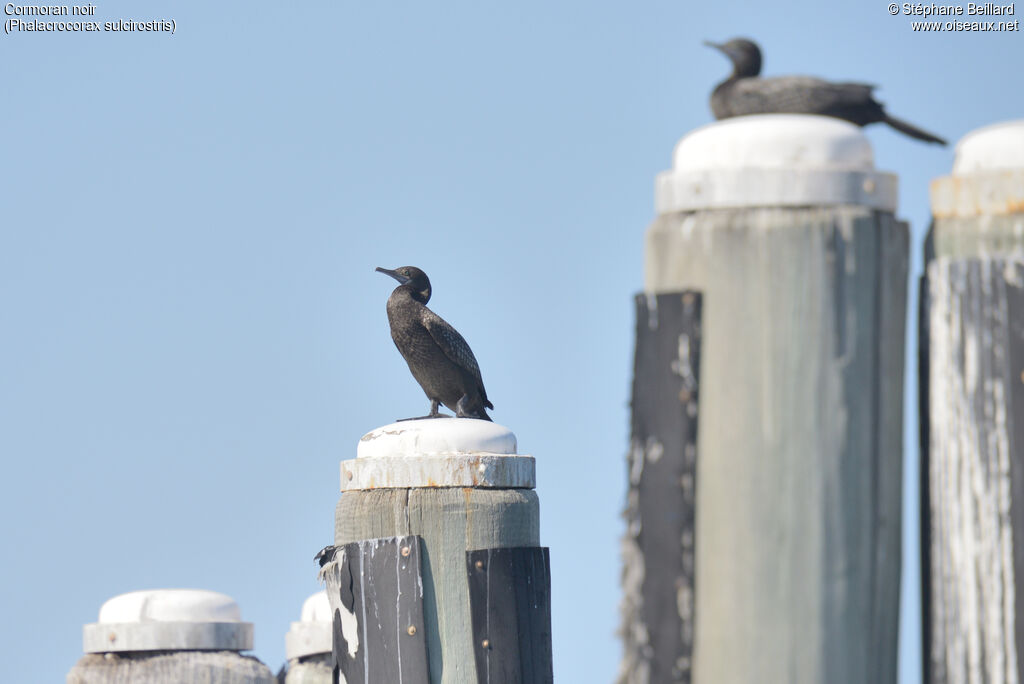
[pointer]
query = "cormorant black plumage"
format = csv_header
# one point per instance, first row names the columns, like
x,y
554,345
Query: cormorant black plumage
x,y
437,354
744,92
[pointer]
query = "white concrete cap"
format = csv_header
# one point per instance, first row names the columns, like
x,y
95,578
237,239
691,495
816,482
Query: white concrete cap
x,y
438,452
437,436
168,620
774,160
313,633
999,146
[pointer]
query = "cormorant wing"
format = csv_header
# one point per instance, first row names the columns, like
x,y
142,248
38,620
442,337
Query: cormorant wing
x,y
804,95
452,344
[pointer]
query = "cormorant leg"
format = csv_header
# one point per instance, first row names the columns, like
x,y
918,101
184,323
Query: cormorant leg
x,y
434,413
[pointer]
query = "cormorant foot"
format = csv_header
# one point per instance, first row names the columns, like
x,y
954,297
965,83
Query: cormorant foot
x,y
436,415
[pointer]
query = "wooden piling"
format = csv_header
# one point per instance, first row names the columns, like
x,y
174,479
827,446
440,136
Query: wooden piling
x,y
452,487
308,644
787,231
972,422
169,635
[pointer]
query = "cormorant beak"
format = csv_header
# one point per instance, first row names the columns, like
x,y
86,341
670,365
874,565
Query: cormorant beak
x,y
717,46
394,274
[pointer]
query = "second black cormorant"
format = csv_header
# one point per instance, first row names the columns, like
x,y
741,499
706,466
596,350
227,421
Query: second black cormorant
x,y
437,354
744,92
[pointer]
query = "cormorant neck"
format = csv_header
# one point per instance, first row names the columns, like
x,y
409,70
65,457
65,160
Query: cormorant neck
x,y
421,295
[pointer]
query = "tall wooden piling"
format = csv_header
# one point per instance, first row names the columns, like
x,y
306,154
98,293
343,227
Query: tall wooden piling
x,y
784,227
169,635
437,527
972,464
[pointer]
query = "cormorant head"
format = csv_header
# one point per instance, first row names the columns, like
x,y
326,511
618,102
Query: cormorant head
x,y
744,54
412,279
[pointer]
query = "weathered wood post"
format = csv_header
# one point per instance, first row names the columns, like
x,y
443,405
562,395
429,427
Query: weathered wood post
x,y
437,574
973,415
307,644
788,233
169,635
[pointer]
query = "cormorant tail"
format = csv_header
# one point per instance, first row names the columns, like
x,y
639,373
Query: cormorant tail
x,y
912,131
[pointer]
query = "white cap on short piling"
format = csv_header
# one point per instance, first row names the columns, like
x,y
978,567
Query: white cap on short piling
x,y
312,635
995,147
774,160
168,620
988,174
438,452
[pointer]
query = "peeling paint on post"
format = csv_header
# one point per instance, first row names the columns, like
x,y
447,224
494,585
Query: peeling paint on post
x,y
375,588
658,549
972,415
784,226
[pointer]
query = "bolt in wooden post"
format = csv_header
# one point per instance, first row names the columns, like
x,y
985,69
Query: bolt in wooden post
x,y
421,504
972,452
788,233
169,635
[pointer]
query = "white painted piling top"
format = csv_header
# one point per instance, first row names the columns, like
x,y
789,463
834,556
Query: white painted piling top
x,y
999,146
438,452
774,160
987,177
313,633
317,608
437,436
170,605
168,620
776,141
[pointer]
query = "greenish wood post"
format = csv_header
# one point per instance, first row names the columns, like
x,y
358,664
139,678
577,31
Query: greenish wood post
x,y
972,452
169,635
788,233
459,485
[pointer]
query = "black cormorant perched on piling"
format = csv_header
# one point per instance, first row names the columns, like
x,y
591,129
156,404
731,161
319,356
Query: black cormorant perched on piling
x,y
745,93
437,354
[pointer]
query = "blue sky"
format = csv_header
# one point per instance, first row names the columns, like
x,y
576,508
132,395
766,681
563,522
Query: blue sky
x,y
193,335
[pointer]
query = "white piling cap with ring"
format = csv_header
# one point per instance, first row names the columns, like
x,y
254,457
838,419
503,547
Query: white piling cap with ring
x,y
774,160
988,174
438,452
168,620
313,634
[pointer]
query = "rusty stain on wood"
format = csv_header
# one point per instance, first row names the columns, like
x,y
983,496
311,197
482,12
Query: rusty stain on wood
x,y
982,193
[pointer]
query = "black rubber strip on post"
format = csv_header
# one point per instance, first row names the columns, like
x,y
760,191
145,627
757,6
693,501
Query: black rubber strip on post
x,y
663,470
510,605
